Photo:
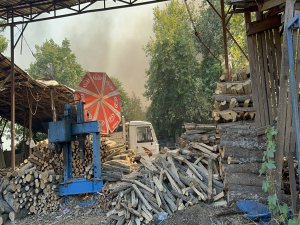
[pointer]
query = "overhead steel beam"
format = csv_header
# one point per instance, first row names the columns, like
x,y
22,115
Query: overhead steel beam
x,y
49,14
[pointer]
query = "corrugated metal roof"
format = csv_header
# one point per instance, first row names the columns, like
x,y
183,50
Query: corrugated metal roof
x,y
29,88
20,8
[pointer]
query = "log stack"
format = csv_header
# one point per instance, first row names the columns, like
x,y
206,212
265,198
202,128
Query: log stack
x,y
171,182
233,99
116,160
202,133
240,161
46,159
28,191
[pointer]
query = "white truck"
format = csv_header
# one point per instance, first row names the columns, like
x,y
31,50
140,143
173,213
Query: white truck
x,y
137,135
140,136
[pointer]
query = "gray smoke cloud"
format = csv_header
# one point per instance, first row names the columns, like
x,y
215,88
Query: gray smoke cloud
x,y
110,42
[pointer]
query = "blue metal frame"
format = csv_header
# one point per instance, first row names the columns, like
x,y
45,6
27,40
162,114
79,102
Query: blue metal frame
x,y
70,185
294,23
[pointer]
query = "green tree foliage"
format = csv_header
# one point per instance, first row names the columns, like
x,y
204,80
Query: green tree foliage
x,y
130,105
3,40
174,84
3,47
237,28
66,70
123,93
134,110
209,27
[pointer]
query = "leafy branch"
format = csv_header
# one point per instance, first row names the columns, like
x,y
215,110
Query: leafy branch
x,y
280,212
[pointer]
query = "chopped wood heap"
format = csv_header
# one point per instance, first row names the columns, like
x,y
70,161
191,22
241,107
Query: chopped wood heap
x,y
170,182
233,99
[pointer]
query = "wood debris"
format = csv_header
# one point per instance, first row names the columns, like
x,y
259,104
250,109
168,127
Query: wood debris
x,y
170,182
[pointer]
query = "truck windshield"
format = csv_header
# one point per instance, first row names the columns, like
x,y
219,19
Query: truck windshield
x,y
144,134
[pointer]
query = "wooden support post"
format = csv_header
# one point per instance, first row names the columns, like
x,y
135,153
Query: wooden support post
x,y
13,100
24,156
53,104
282,102
30,123
124,129
223,19
293,184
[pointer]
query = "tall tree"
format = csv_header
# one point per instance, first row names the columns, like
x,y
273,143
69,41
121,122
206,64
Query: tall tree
x,y
134,110
174,84
210,29
237,28
130,105
66,70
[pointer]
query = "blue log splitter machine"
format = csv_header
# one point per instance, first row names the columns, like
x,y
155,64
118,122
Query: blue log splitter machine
x,y
62,133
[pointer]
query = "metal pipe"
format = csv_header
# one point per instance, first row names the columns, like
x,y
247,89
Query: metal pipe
x,y
13,100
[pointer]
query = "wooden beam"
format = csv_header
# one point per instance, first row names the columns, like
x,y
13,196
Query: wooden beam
x,y
271,4
262,25
30,123
282,102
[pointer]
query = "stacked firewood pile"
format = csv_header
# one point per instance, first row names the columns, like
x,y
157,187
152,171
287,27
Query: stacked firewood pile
x,y
233,100
28,191
241,158
170,182
45,159
116,160
202,133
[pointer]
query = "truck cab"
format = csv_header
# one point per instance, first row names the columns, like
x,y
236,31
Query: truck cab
x,y
142,138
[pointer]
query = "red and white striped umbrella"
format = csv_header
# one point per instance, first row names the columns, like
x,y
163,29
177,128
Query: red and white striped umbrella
x,y
102,100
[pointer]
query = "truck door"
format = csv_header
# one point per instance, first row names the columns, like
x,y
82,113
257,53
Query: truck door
x,y
146,141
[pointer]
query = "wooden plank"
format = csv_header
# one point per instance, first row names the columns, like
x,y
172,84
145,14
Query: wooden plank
x,y
273,50
262,83
282,102
289,137
271,59
271,4
278,50
262,25
2,161
266,78
297,69
210,179
253,70
293,184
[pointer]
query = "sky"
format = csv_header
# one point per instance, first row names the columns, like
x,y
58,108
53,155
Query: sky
x,y
108,41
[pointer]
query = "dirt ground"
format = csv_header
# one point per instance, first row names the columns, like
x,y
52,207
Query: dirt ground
x,y
201,214
204,214
72,213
